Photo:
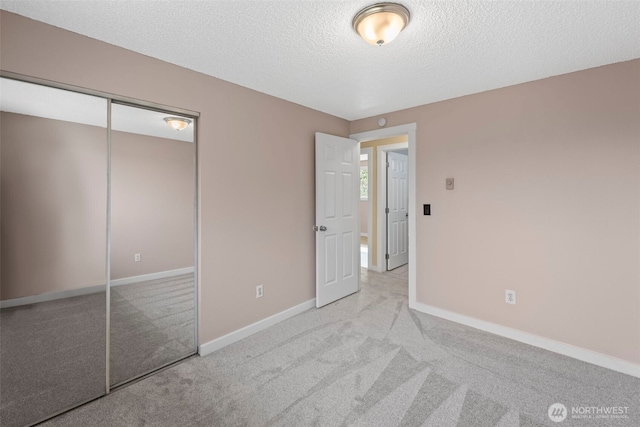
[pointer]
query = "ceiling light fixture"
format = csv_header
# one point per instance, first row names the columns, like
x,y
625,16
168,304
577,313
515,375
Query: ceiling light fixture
x,y
177,123
380,23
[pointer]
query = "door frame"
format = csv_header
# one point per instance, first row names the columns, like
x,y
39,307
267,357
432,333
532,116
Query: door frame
x,y
409,130
383,172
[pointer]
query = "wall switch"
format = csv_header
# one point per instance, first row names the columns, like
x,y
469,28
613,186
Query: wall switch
x,y
259,291
449,183
426,209
137,258
509,296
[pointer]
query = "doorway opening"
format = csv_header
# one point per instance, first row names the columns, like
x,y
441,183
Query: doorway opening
x,y
384,204
377,145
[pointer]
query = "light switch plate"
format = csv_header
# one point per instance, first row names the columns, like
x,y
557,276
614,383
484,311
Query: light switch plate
x,y
449,182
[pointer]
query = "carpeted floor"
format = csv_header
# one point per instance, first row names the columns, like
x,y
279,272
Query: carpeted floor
x,y
52,354
366,360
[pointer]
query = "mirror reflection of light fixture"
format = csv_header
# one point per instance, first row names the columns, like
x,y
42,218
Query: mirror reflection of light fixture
x,y
380,23
177,123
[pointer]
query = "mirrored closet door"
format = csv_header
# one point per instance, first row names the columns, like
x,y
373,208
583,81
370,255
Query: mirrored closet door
x,y
152,241
97,246
53,154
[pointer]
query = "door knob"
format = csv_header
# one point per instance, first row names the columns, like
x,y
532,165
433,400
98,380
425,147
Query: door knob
x,y
319,228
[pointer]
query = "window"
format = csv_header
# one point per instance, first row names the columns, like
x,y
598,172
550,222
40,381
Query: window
x,y
364,183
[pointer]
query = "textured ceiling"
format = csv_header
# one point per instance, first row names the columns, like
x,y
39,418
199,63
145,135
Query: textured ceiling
x,y
306,51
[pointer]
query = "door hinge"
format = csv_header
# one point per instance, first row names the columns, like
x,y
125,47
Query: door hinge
x,y
386,256
386,210
387,164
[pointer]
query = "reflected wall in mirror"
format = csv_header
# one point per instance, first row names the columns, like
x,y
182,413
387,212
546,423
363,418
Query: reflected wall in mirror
x,y
53,196
152,242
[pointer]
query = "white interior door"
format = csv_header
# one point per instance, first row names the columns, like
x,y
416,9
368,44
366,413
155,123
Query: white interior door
x,y
397,210
337,218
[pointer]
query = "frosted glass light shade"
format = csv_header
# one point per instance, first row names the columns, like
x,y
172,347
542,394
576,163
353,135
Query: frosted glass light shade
x,y
381,23
177,123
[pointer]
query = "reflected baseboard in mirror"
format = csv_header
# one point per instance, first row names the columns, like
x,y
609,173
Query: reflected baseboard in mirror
x,y
152,324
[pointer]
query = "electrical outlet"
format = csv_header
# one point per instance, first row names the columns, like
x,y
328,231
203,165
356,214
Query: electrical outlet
x,y
509,296
259,291
137,258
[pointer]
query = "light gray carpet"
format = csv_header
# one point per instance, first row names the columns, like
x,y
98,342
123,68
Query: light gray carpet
x,y
366,360
52,354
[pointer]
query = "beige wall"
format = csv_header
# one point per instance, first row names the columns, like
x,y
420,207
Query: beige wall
x,y
152,188
373,191
54,201
364,216
256,167
547,203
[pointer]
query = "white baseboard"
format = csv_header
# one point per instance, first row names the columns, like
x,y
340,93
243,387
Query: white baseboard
x,y
151,276
579,353
376,268
218,343
51,296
